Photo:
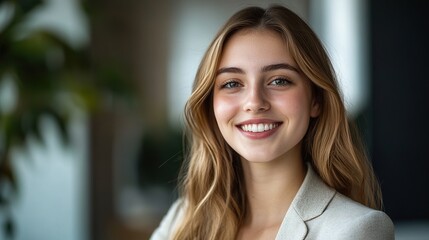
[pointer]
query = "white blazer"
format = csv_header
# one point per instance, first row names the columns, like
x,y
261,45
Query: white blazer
x,y
317,212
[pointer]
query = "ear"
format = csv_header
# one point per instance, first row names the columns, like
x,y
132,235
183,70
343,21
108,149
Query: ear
x,y
315,108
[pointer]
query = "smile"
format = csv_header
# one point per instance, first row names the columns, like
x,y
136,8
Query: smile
x,y
261,127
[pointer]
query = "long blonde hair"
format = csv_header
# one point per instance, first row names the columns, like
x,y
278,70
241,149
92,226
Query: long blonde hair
x,y
212,181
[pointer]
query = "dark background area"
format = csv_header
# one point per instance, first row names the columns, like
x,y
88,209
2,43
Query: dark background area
x,y
400,105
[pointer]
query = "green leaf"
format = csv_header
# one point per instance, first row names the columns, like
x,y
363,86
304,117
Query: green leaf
x,y
36,130
26,6
61,121
9,227
13,134
7,175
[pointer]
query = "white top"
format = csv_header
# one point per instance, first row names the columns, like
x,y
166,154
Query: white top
x,y
317,212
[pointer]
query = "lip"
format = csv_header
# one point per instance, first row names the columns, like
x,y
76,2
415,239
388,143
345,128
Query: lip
x,y
258,120
258,135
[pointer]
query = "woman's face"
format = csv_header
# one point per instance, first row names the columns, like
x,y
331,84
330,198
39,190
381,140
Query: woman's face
x,y
262,103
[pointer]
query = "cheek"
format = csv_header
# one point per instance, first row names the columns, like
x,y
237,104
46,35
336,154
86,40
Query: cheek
x,y
294,104
224,108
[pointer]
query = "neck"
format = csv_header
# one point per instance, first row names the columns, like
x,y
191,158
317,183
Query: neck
x,y
271,187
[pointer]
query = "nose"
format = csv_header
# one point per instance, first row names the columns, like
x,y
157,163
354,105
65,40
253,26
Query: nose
x,y
256,100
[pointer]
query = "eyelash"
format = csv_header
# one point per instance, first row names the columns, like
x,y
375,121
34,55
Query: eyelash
x,y
285,81
230,84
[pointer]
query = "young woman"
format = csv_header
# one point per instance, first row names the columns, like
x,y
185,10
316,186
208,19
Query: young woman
x,y
271,154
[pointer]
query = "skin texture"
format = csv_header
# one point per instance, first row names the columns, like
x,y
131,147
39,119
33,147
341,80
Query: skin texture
x,y
245,92
258,82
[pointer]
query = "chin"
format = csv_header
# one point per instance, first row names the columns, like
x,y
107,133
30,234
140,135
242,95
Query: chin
x,y
257,159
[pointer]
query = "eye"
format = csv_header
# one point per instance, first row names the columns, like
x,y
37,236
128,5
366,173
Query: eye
x,y
231,84
280,81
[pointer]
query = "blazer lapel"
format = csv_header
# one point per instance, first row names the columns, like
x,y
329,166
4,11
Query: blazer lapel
x,y
292,228
310,202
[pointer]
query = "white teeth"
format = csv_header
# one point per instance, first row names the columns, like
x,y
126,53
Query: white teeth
x,y
261,127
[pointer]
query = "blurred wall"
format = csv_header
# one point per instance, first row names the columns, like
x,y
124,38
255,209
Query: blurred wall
x,y
52,200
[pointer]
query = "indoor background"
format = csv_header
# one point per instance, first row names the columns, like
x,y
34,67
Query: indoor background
x,y
92,94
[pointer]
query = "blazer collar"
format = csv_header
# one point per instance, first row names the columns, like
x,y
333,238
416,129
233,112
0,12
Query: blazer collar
x,y
311,200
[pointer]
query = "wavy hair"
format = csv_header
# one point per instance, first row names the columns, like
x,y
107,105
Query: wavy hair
x,y
212,178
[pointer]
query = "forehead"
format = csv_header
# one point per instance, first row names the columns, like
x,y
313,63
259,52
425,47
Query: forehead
x,y
255,46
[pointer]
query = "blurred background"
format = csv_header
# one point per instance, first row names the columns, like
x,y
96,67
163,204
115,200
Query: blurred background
x,y
92,94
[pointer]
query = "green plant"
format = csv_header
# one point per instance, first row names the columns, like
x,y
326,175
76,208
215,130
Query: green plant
x,y
47,74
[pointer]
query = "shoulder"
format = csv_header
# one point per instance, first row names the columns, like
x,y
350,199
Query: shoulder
x,y
331,215
168,223
320,212
346,219
372,225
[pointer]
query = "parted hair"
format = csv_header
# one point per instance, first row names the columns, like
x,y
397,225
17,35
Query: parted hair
x,y
211,186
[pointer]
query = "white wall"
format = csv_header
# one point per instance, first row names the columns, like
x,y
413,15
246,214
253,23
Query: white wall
x,y
342,26
53,181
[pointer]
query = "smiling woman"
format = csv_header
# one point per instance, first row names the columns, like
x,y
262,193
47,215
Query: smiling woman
x,y
271,152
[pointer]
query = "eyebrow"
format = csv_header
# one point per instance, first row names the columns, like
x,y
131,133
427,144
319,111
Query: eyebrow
x,y
230,70
267,68
279,66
